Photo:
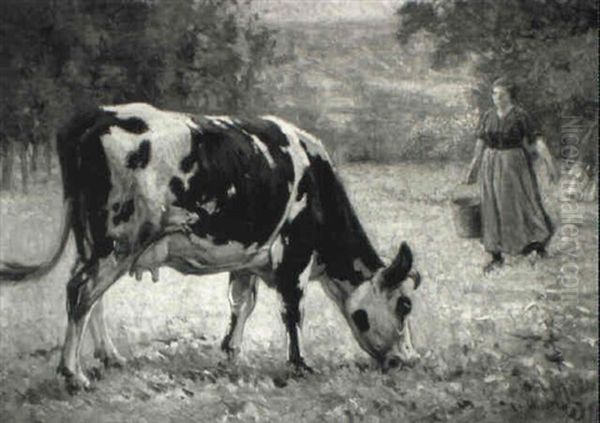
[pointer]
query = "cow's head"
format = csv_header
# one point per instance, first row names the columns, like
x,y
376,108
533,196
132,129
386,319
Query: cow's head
x,y
378,311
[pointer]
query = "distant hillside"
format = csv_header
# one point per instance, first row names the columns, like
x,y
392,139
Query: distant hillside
x,y
368,97
324,10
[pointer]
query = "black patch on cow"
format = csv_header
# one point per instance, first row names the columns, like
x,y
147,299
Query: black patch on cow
x,y
224,155
304,186
187,164
140,157
361,320
67,146
95,184
133,124
403,306
116,206
341,237
177,188
86,175
268,132
125,212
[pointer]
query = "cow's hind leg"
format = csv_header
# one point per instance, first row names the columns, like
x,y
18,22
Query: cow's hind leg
x,y
83,291
242,299
104,349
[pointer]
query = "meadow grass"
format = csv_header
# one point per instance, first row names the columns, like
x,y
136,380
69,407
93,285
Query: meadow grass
x,y
497,348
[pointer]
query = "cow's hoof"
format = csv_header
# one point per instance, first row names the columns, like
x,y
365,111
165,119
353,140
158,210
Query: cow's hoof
x,y
95,373
227,364
78,384
299,368
231,353
74,381
112,361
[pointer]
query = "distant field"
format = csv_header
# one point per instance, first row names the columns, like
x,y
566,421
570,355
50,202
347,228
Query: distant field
x,y
496,349
368,97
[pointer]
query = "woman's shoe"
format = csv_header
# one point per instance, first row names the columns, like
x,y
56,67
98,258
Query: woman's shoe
x,y
537,247
495,263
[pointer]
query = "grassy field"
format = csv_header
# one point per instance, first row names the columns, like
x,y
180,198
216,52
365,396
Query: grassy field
x,y
508,347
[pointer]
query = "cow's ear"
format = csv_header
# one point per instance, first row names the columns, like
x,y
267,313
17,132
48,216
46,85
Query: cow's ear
x,y
397,271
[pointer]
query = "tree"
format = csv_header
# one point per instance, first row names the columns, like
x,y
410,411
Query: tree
x,y
549,47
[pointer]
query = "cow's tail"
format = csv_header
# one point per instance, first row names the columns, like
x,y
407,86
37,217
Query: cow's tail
x,y
13,271
67,146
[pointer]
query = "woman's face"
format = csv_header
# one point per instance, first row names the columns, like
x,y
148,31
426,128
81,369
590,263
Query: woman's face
x,y
501,97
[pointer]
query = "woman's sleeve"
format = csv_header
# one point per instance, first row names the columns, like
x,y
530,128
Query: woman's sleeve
x,y
530,127
480,132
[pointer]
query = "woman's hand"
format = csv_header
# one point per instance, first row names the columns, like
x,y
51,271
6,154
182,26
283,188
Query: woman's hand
x,y
552,173
542,150
471,176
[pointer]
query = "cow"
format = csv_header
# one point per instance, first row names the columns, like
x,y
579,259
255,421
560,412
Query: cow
x,y
256,197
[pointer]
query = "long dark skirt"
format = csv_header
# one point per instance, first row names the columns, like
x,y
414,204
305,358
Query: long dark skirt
x,y
512,213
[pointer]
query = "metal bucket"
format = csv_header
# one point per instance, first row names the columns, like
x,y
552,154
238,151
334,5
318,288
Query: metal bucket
x,y
466,213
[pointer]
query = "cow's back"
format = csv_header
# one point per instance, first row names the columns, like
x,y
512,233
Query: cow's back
x,y
147,170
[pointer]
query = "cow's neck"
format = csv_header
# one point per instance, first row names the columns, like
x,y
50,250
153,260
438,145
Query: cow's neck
x,y
340,282
343,245
339,291
344,250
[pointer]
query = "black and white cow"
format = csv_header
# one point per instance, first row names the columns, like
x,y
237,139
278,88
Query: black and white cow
x,y
146,188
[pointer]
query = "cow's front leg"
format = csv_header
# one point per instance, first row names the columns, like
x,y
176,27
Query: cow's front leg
x,y
104,349
242,299
294,248
292,319
291,278
83,291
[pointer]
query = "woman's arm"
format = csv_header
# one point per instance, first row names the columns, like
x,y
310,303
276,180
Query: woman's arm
x,y
539,145
471,175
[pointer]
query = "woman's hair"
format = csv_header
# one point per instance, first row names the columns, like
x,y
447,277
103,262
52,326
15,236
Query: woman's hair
x,y
507,84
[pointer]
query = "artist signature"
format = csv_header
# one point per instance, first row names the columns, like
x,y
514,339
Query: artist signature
x,y
580,412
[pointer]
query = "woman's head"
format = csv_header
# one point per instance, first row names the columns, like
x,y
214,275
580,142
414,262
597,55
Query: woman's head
x,y
503,92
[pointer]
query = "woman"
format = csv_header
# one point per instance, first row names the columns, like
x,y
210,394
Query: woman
x,y
513,218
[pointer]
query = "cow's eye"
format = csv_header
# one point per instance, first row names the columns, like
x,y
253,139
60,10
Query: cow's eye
x,y
403,306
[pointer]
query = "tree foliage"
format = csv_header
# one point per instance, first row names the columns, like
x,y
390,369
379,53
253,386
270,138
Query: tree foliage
x,y
59,55
549,48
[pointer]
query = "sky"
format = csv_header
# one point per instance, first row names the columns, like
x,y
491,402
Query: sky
x,y
326,10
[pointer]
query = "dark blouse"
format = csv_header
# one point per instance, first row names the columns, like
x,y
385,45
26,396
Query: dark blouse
x,y
511,131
